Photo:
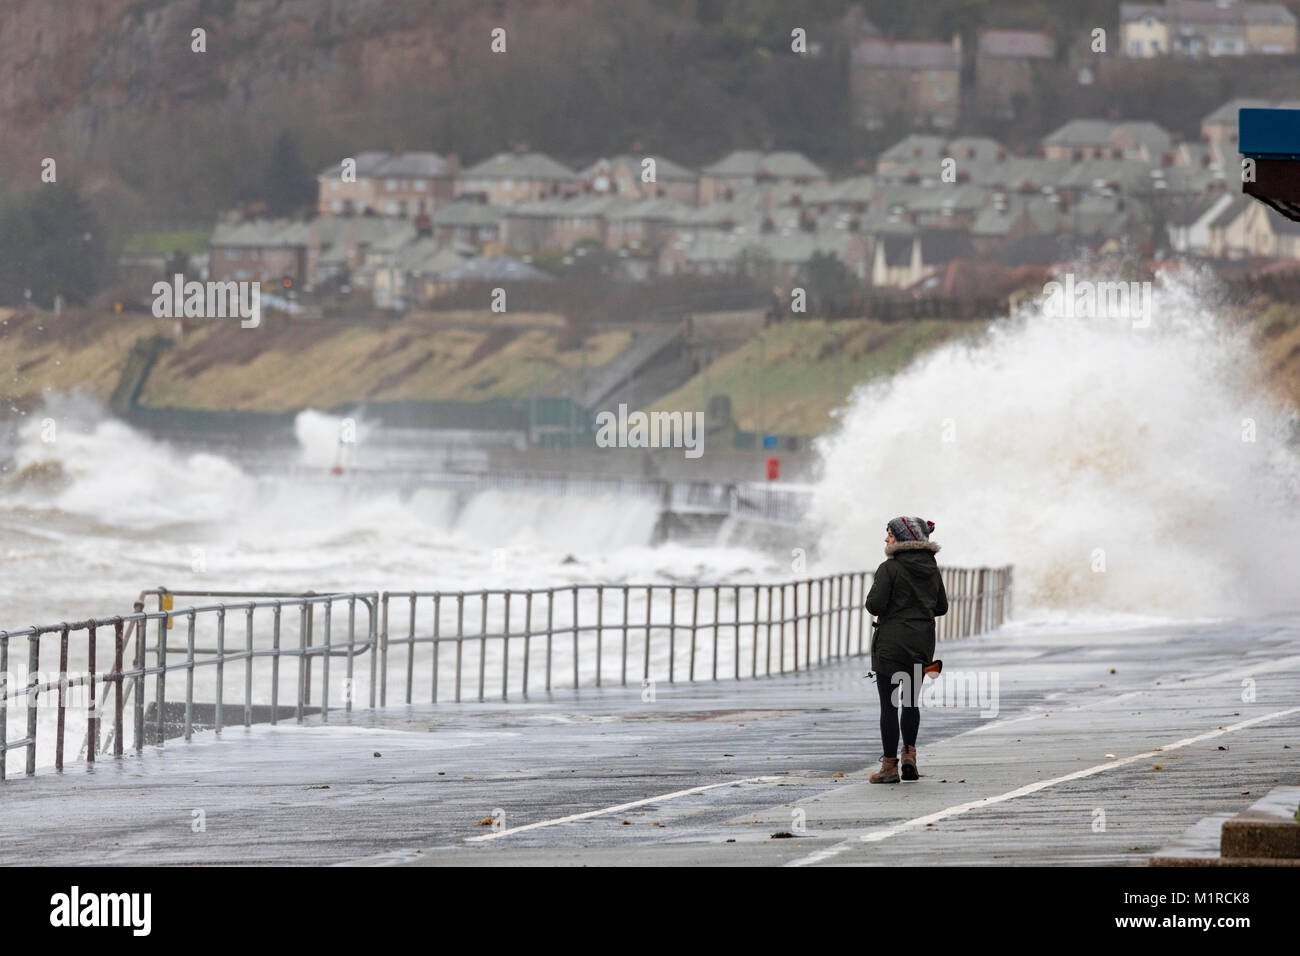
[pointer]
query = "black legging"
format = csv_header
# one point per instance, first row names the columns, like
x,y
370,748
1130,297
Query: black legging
x,y
889,719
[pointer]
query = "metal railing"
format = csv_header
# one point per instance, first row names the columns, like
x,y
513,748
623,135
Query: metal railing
x,y
265,627
458,644
442,644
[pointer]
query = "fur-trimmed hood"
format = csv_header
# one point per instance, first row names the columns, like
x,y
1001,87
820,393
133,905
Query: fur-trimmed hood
x,y
931,546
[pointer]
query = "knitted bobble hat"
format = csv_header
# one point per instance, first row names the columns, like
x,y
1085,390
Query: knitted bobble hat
x,y
910,529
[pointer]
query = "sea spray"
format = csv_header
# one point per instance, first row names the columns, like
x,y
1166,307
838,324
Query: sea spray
x,y
1120,469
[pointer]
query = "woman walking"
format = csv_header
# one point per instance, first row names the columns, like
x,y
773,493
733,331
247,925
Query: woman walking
x,y
906,595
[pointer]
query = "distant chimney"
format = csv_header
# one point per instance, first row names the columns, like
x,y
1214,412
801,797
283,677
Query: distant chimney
x,y
423,224
453,163
956,43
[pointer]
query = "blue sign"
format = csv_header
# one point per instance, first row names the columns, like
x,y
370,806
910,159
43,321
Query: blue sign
x,y
1269,134
769,441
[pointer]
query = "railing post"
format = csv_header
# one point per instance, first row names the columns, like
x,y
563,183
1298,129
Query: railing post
x,y
672,632
325,662
383,654
137,682
528,636
352,641
92,711
4,703
782,638
600,624
33,666
735,632
575,636
189,678
118,641
767,655
550,630
221,662
695,620
63,686
410,649
460,637
717,626
623,674
505,653
649,600
248,666
160,685
304,626
275,664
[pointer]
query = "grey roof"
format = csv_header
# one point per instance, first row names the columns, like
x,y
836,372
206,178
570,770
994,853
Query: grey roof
x,y
1033,44
1226,115
1153,136
665,169
795,248
262,234
1124,174
589,206
1188,212
1017,172
977,148
520,166
747,163
1081,132
366,163
1095,132
1231,212
875,53
466,213
995,220
495,268
914,148
657,209
413,166
1208,12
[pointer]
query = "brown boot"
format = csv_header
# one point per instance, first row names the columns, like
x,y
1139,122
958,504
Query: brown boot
x,y
888,772
909,763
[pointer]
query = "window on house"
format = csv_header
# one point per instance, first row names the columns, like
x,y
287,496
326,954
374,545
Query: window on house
x,y
391,185
421,185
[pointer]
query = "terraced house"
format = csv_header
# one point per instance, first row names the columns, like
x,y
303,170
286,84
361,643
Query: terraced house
x,y
1197,28
388,184
516,177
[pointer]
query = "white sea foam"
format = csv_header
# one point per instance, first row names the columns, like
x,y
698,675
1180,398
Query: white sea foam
x,y
1055,443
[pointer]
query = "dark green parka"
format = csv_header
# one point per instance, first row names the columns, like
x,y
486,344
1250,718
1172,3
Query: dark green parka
x,y
906,595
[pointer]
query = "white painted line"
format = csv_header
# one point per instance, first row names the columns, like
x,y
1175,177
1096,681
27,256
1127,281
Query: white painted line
x,y
622,806
875,836
1281,663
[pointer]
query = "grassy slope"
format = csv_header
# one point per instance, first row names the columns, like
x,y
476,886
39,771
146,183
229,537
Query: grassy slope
x,y
284,366
804,375
1278,330
474,357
